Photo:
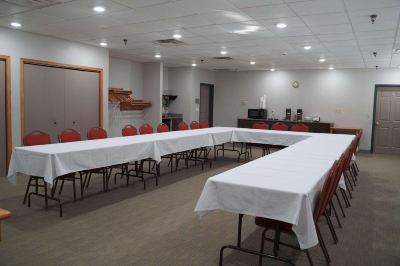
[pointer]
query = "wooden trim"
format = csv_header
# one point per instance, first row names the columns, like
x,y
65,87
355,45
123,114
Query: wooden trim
x,y
29,61
7,59
60,65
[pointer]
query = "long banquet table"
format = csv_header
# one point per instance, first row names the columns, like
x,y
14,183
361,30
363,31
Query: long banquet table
x,y
282,185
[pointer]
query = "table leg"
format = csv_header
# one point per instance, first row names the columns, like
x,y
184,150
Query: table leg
x,y
239,237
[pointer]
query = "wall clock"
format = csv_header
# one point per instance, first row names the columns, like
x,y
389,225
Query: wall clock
x,y
295,84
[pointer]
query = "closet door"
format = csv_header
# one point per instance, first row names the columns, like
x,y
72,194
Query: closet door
x,y
81,100
44,99
3,133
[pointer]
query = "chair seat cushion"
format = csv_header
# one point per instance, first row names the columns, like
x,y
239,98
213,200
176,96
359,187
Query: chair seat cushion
x,y
270,223
4,214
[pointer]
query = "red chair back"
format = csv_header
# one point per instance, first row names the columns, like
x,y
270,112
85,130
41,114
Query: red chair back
x,y
161,128
96,133
260,125
280,126
300,128
36,138
183,126
323,197
194,125
204,124
146,129
129,130
69,135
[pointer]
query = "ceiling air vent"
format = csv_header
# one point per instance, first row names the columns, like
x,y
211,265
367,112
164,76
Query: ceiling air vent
x,y
222,58
169,42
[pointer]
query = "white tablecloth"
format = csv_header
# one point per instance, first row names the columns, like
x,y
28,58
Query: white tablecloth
x,y
281,186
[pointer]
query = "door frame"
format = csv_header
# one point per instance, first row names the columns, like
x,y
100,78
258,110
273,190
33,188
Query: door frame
x,y
211,103
7,60
374,112
29,61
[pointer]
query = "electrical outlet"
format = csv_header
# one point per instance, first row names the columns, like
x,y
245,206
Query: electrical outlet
x,y
339,110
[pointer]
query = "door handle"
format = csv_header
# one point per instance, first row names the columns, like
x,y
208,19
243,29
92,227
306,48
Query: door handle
x,y
55,123
377,123
73,122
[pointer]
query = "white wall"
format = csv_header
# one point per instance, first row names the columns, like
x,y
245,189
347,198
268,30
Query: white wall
x,y
19,44
345,97
152,92
185,82
128,75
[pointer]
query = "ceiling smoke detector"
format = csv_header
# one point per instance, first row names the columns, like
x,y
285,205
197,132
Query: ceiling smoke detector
x,y
373,18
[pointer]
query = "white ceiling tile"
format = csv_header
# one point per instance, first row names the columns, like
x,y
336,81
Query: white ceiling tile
x,y
220,17
332,29
163,11
270,11
317,7
335,37
253,3
66,11
205,6
87,5
140,3
369,4
326,19
7,8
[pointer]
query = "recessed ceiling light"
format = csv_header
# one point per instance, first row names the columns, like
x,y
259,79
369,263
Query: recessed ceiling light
x,y
99,9
307,47
194,65
177,36
16,24
331,68
322,60
281,25
272,69
157,56
103,44
252,62
223,52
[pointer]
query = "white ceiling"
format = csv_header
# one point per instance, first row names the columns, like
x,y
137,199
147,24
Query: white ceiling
x,y
338,30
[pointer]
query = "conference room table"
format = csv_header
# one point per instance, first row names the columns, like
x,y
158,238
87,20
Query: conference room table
x,y
282,186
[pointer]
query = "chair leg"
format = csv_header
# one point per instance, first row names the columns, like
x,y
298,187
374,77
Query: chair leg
x,y
260,258
322,245
340,204
277,240
74,187
331,228
336,215
46,200
27,189
346,199
309,257
61,187
82,184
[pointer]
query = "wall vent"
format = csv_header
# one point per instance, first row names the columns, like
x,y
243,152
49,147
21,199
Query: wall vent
x,y
169,42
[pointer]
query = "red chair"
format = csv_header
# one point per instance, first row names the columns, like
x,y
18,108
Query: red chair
x,y
70,135
36,138
162,128
96,133
204,124
194,125
129,130
93,134
32,139
183,126
300,128
260,125
280,126
320,209
146,129
265,147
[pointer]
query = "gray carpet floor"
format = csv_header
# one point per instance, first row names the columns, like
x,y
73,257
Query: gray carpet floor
x,y
129,226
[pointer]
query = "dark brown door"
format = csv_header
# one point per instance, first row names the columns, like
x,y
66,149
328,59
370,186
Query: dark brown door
x,y
81,100
3,133
44,89
387,120
206,103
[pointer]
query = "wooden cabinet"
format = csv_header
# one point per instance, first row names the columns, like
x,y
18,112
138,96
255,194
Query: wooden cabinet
x,y
316,127
58,98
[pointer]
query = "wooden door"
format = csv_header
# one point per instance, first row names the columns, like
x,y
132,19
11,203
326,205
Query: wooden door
x,y
81,100
3,132
206,103
44,99
387,120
